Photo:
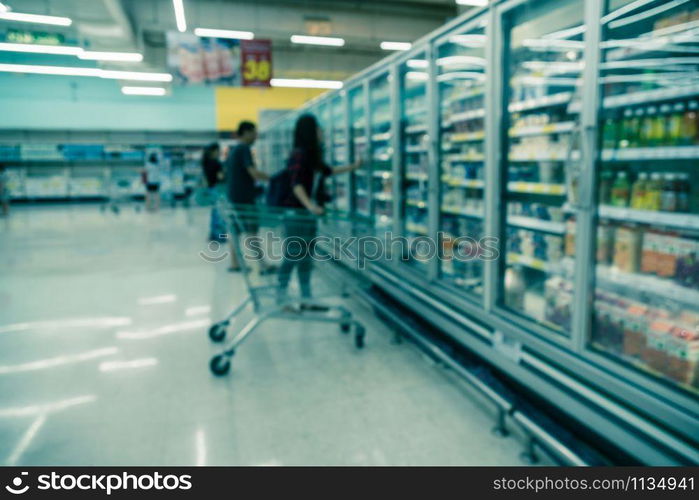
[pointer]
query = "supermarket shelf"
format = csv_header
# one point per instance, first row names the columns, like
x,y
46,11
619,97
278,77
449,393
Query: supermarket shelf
x,y
646,96
362,192
381,137
415,129
467,183
655,153
547,226
385,174
544,156
608,276
359,140
461,211
415,149
466,115
668,219
462,96
416,228
467,137
361,173
536,188
551,128
63,161
416,111
383,196
416,203
532,263
541,102
415,176
465,157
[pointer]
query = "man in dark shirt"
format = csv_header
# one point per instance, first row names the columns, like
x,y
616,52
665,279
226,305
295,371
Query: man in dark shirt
x,y
241,174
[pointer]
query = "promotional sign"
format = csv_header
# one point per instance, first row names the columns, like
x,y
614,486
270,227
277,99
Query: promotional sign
x,y
37,37
256,57
193,60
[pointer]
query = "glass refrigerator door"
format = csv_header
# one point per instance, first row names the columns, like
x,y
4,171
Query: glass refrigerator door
x,y
381,153
414,76
461,83
543,75
340,152
646,307
362,191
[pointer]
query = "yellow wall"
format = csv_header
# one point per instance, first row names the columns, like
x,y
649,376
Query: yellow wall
x,y
234,104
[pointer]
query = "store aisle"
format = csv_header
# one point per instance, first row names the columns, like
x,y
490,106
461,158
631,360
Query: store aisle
x,y
103,360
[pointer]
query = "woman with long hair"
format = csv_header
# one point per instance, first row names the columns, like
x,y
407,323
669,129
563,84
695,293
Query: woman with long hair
x,y
308,173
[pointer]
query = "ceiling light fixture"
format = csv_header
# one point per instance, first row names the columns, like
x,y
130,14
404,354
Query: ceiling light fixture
x,y
396,45
93,72
151,91
216,33
472,3
8,15
306,83
318,40
3,8
90,55
179,15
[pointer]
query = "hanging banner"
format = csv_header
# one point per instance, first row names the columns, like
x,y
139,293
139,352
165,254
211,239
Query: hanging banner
x,y
256,58
193,60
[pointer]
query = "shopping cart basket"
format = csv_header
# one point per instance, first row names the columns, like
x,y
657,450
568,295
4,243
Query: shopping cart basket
x,y
262,237
119,193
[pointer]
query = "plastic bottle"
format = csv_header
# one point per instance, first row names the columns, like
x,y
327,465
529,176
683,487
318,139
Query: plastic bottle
x,y
605,187
625,129
609,134
647,137
673,125
638,191
683,192
690,127
660,136
654,192
620,190
668,200
634,131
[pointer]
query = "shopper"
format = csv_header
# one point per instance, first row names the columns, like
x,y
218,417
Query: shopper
x,y
4,191
213,175
152,179
308,173
241,175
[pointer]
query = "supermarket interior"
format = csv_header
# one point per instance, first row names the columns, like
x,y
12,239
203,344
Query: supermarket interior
x,y
496,204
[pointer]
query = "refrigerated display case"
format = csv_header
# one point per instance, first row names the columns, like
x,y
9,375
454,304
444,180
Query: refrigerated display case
x,y
567,130
380,153
414,153
340,151
461,86
543,69
646,295
359,144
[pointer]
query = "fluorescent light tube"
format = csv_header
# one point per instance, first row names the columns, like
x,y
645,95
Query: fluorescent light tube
x,y
94,72
318,40
41,49
153,91
216,33
3,8
90,55
305,83
472,3
179,15
35,18
396,45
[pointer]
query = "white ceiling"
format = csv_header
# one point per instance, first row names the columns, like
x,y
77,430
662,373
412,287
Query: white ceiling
x,y
141,25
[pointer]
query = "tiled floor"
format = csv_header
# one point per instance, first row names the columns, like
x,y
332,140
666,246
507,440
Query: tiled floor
x,y
74,280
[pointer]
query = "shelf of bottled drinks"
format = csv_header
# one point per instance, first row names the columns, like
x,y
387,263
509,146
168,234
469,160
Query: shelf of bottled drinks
x,y
567,132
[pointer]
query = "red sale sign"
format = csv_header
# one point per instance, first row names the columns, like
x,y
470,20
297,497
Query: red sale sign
x,y
256,62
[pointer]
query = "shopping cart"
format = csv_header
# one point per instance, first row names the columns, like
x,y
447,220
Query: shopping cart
x,y
119,193
255,249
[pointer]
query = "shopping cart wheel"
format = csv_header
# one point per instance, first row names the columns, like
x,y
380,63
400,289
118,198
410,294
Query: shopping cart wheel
x,y
359,334
345,327
220,365
217,332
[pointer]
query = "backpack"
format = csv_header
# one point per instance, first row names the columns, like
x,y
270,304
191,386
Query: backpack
x,y
279,188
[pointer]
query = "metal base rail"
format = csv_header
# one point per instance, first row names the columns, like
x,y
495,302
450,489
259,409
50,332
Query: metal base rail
x,y
535,435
